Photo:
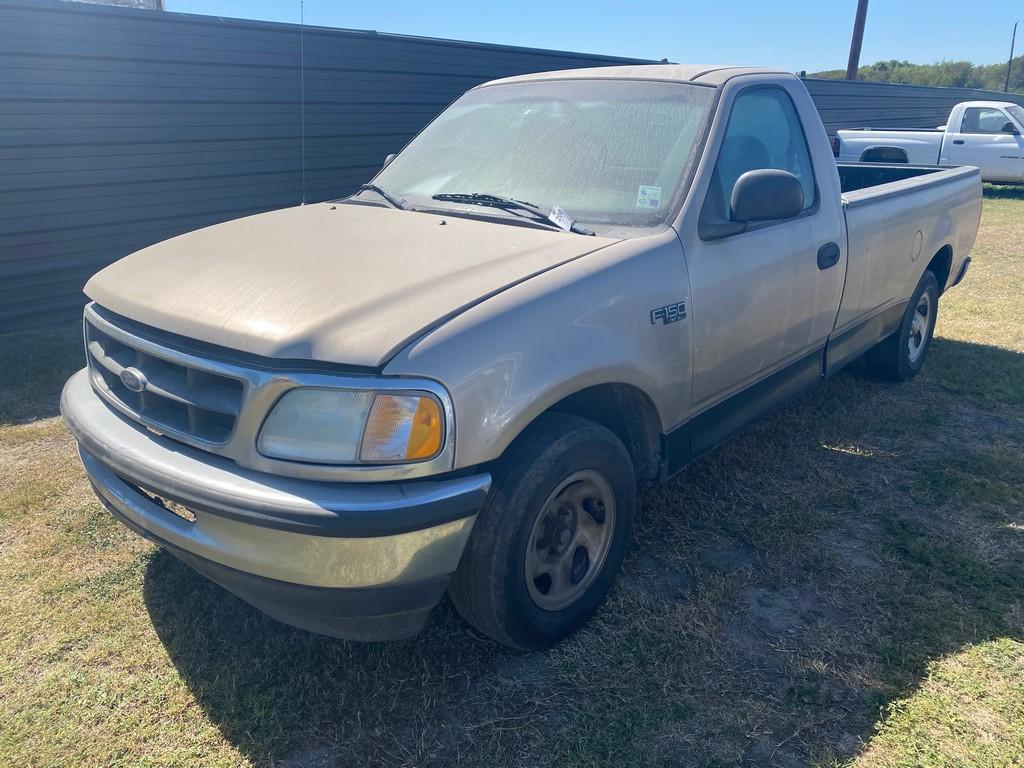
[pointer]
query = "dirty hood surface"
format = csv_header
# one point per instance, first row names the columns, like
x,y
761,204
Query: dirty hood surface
x,y
337,282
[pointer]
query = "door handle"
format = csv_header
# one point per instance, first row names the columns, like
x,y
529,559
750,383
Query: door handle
x,y
958,141
828,255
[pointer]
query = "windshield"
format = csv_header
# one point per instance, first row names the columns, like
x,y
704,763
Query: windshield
x,y
608,152
1017,113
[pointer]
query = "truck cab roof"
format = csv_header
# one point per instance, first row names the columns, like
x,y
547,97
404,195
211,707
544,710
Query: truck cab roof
x,y
700,74
1000,104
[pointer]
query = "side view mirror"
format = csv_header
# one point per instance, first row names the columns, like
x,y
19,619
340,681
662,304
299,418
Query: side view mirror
x,y
1009,127
388,159
766,194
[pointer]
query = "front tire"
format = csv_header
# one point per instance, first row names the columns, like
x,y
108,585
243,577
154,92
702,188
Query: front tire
x,y
901,356
551,537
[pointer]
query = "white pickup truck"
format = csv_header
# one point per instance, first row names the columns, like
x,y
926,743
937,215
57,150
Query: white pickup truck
x,y
985,134
340,411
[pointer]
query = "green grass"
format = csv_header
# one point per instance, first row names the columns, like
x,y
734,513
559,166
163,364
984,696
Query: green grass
x,y
841,585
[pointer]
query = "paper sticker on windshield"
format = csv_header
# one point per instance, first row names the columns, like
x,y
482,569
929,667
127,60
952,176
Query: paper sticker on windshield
x,y
561,218
648,197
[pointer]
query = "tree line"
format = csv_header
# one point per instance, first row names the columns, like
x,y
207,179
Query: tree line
x,y
961,74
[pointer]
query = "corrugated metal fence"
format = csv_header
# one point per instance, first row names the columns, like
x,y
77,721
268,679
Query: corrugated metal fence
x,y
120,127
845,104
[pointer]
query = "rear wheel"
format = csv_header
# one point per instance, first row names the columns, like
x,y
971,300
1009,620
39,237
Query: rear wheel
x,y
901,356
549,542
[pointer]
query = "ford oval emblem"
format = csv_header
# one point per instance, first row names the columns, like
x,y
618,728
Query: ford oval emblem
x,y
133,379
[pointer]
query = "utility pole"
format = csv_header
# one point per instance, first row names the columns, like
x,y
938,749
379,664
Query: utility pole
x,y
1009,64
858,38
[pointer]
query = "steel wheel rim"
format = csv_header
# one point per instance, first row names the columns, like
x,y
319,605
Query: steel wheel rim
x,y
570,540
920,328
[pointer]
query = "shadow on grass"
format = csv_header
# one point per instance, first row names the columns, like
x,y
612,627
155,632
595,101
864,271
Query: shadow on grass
x,y
33,368
1004,191
874,526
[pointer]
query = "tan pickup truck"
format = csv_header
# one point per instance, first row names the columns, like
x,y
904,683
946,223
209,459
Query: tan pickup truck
x,y
566,287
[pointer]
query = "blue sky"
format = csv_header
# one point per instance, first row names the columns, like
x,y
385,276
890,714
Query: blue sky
x,y
793,34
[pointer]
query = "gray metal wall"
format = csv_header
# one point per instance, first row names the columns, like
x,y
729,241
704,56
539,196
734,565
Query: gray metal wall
x,y
120,127
845,104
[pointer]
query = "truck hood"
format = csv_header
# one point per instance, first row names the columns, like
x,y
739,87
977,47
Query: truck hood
x,y
343,283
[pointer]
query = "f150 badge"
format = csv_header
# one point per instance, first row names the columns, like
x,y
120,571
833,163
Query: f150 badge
x,y
670,313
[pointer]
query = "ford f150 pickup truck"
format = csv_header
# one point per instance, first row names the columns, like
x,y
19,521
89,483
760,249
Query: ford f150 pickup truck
x,y
985,134
566,287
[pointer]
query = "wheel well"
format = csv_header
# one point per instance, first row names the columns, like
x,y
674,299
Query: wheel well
x,y
884,155
627,412
940,265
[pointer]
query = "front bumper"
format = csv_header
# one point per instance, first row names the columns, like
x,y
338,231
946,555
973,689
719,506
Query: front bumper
x,y
363,561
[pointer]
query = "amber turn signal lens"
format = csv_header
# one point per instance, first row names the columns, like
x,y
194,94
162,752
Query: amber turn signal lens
x,y
402,428
425,437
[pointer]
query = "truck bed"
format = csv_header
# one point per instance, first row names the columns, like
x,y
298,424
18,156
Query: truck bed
x,y
895,215
854,176
918,145
899,130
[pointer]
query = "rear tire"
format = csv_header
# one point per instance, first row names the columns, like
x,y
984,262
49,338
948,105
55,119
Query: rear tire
x,y
901,356
549,541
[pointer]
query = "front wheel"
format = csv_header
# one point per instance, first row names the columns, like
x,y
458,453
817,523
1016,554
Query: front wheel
x,y
901,356
548,543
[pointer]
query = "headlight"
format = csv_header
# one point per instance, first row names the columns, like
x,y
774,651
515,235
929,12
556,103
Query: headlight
x,y
339,426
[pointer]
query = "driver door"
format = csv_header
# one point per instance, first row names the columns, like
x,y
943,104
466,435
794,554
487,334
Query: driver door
x,y
762,306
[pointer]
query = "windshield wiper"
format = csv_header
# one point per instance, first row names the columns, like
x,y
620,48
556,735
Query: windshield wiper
x,y
510,204
395,202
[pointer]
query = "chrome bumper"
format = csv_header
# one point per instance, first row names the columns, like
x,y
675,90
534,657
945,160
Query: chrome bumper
x,y
285,533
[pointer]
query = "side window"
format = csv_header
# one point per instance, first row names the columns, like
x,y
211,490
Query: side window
x,y
763,131
983,120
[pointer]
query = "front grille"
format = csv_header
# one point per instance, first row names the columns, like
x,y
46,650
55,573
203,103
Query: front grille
x,y
193,403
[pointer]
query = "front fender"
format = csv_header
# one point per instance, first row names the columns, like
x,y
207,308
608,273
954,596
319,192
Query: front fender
x,y
510,358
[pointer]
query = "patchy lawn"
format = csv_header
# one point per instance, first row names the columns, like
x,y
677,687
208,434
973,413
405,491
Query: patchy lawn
x,y
841,585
